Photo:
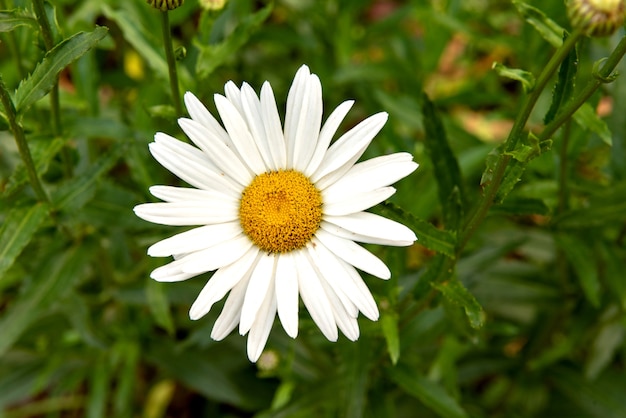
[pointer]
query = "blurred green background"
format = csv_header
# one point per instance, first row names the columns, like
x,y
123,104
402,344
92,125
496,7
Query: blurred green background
x,y
84,331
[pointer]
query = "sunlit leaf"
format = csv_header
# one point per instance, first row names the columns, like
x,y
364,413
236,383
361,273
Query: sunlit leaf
x,y
389,325
458,294
525,77
10,19
547,28
587,118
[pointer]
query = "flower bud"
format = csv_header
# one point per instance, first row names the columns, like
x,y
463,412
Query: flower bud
x,y
596,17
164,5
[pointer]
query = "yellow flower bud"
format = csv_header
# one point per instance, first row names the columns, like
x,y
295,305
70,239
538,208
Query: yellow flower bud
x,y
596,17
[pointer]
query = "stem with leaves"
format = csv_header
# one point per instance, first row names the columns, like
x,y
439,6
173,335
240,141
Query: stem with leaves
x,y
22,145
171,61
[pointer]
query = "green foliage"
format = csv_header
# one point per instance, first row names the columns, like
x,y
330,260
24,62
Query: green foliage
x,y
512,302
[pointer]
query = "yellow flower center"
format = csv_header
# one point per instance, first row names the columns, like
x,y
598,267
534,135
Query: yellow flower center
x,y
280,211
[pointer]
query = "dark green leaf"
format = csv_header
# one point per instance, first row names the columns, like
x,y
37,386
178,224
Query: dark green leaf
x,y
613,274
212,56
547,28
429,393
389,324
18,228
446,167
458,294
525,77
564,86
594,215
10,19
428,235
522,206
44,76
159,305
582,258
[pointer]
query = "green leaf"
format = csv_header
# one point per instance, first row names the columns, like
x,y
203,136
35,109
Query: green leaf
x,y
42,152
583,260
446,167
18,228
595,215
159,306
522,206
79,190
212,56
45,74
588,119
564,86
458,294
51,280
547,28
613,273
525,77
10,19
389,324
427,234
429,393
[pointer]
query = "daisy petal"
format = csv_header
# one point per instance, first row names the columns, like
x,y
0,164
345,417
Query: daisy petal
x,y
273,128
257,338
199,113
172,272
350,146
354,254
287,293
345,322
223,157
326,135
217,256
229,317
187,213
181,194
196,239
238,130
295,101
344,233
261,283
314,296
372,225
221,283
233,94
252,112
352,203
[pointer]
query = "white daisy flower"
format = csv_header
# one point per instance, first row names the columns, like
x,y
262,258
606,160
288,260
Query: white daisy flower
x,y
279,211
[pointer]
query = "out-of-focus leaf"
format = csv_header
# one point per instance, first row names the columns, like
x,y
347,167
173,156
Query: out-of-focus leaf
x,y
20,381
587,118
212,56
522,206
128,352
99,383
429,393
18,228
613,274
564,86
445,165
54,277
159,306
10,19
547,28
389,325
582,258
51,15
594,215
79,190
525,77
456,293
605,345
427,234
42,152
43,78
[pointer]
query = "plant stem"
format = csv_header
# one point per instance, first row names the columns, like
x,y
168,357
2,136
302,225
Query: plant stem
x,y
479,214
575,103
171,61
22,145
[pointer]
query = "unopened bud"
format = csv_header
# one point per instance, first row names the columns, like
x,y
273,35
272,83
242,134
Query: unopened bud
x,y
164,5
596,17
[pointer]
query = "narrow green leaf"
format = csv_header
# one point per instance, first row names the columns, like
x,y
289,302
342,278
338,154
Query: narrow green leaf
x,y
588,119
389,324
429,393
458,294
212,56
159,305
522,206
436,271
613,272
525,77
427,234
79,190
605,346
547,28
582,258
53,278
10,19
446,167
595,215
42,152
564,86
18,228
99,382
44,76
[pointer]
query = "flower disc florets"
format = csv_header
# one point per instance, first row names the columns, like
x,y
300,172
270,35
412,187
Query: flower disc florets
x,y
596,17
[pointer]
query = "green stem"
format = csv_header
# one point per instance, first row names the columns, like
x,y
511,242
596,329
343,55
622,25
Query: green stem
x,y
22,145
573,105
171,61
479,214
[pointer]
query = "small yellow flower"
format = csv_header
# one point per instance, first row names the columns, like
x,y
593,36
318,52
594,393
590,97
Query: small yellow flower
x,y
213,4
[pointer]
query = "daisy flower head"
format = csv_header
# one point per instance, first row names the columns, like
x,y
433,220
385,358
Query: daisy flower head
x,y
277,209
